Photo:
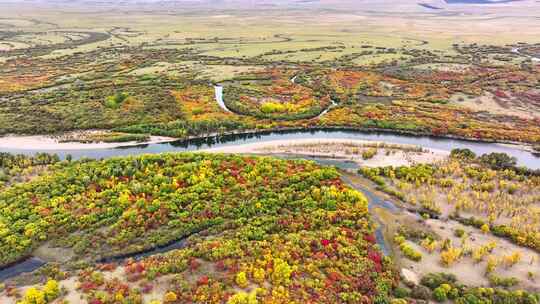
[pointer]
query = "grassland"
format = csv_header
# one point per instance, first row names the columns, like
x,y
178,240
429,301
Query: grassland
x,y
68,75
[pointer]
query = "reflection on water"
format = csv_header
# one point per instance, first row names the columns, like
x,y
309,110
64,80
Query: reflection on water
x,y
375,201
27,265
524,158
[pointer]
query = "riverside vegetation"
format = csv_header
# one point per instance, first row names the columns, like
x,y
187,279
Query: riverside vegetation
x,y
268,244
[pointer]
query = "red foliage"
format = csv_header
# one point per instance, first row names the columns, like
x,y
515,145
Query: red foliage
x,y
108,267
325,242
194,264
88,286
147,288
500,94
334,276
220,265
375,257
370,238
203,280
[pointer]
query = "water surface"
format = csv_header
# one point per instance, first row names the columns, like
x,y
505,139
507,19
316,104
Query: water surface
x,y
524,158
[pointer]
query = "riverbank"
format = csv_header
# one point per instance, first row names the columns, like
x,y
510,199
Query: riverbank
x,y
43,142
48,142
234,138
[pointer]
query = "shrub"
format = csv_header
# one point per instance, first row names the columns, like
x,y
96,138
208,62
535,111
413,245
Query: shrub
x,y
114,101
241,279
244,298
409,252
369,153
421,292
434,280
502,282
498,160
492,264
170,297
401,292
259,275
34,296
51,290
453,294
512,259
462,153
272,107
459,232
450,256
479,253
440,294
429,244
282,272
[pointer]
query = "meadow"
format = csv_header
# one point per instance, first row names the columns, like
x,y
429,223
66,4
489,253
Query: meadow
x,y
130,77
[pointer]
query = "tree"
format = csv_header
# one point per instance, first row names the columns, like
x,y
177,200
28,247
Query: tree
x,y
498,160
241,279
462,153
170,297
51,290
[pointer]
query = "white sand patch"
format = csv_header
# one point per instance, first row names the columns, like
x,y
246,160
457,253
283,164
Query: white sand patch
x,y
398,155
39,142
488,103
466,270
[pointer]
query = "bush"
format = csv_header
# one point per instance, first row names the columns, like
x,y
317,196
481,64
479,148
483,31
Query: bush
x,y
502,282
244,298
401,292
51,290
450,256
33,296
369,153
498,160
440,294
259,275
272,107
170,297
421,292
453,294
434,280
407,250
459,232
241,279
462,154
114,101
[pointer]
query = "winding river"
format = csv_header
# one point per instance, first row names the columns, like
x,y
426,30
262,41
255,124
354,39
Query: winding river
x,y
524,158
219,98
33,263
518,51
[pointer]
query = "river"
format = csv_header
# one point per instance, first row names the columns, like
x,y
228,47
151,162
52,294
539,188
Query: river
x,y
219,98
524,158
